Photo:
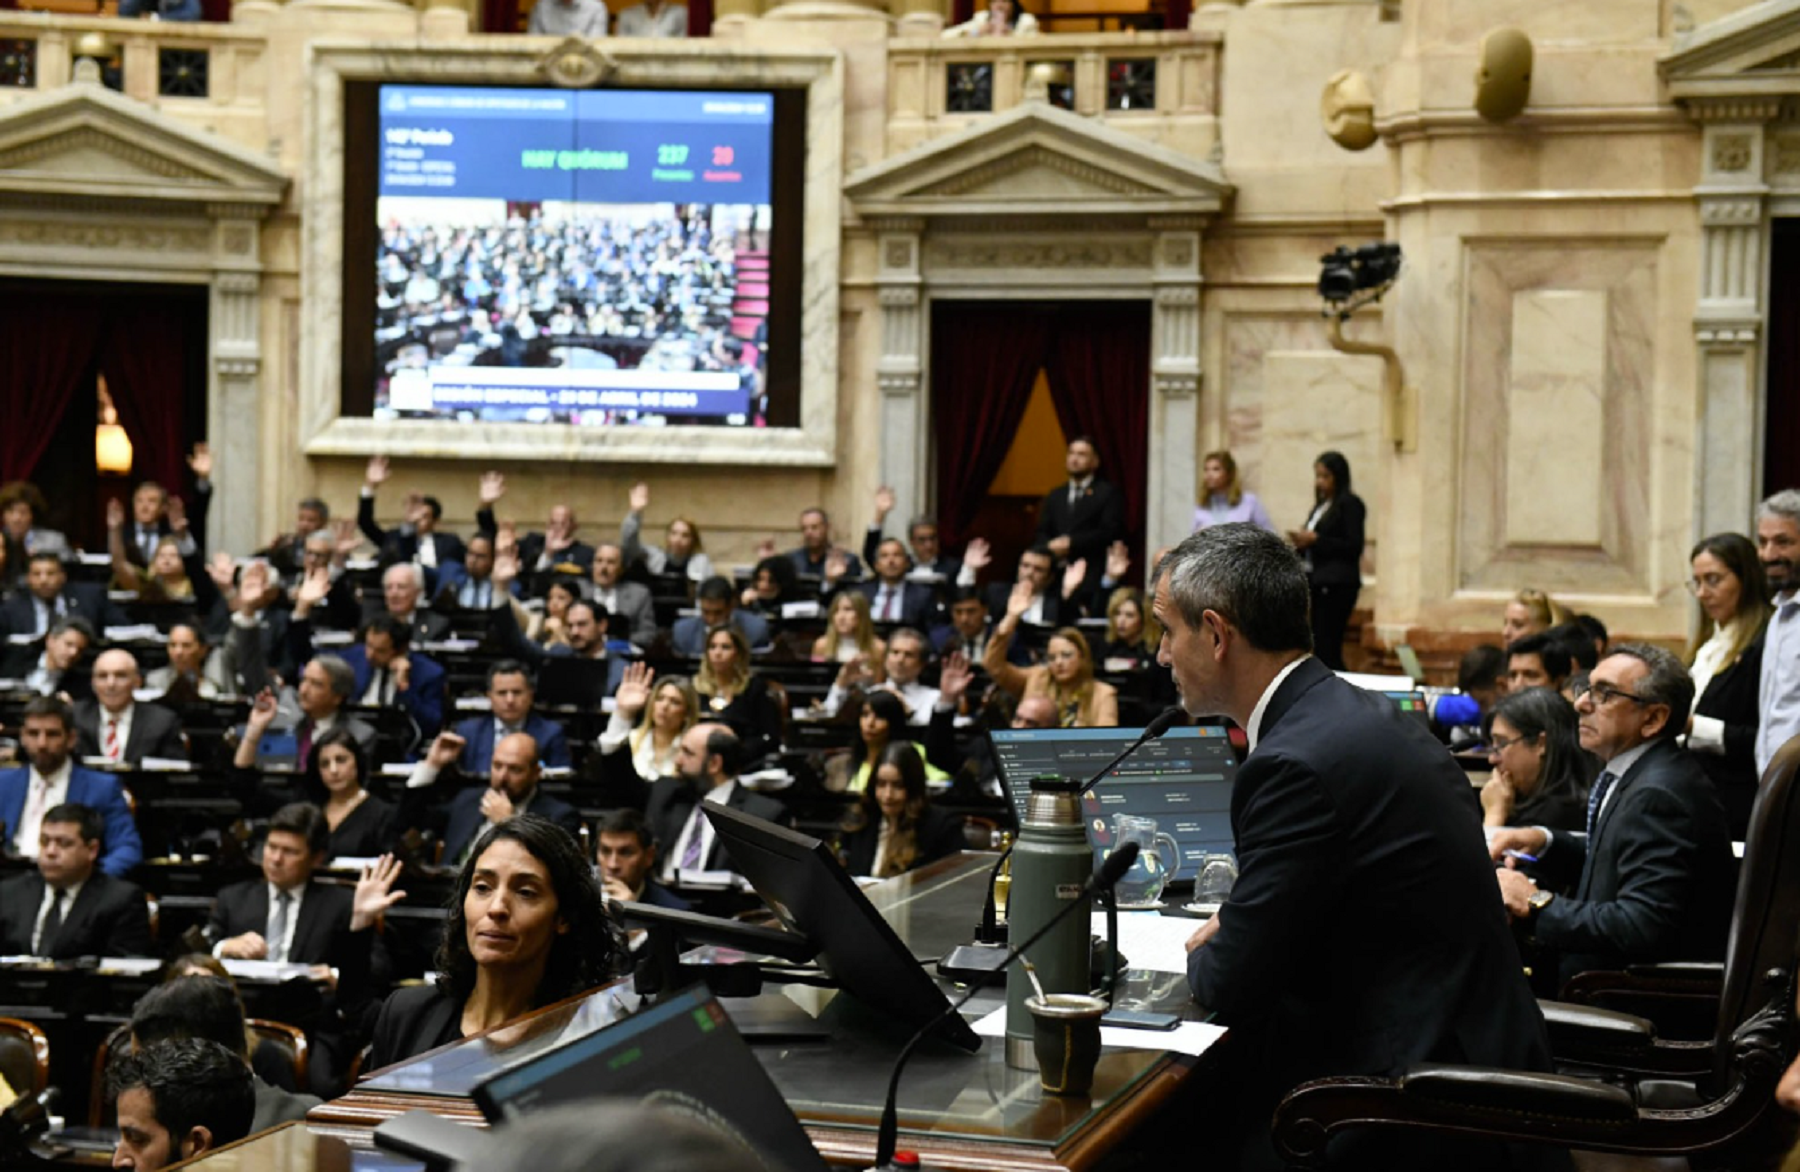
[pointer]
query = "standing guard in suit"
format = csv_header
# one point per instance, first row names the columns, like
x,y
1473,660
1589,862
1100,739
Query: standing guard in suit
x,y
68,908
1653,875
512,788
1081,518
47,735
115,726
708,761
1363,934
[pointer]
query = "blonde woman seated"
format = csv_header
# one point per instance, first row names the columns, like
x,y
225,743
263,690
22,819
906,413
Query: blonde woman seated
x,y
894,827
1530,612
734,695
170,577
850,632
1132,633
661,715
881,717
1066,676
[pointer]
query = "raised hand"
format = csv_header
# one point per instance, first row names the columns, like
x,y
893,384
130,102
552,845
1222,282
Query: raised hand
x,y
344,537
558,538
262,714
177,513
376,474
222,570
314,589
954,677
837,564
507,536
884,504
638,499
506,566
1074,574
115,514
634,689
1118,561
375,893
445,749
401,669
201,461
978,554
1019,601
493,487
765,548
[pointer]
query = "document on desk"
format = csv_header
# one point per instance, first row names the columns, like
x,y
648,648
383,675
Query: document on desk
x,y
1152,941
1190,1037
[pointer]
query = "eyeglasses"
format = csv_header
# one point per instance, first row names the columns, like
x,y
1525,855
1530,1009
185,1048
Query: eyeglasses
x,y
1706,582
1498,745
1604,694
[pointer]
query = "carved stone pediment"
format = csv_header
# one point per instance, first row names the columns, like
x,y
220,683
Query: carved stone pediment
x,y
1754,52
1038,160
87,143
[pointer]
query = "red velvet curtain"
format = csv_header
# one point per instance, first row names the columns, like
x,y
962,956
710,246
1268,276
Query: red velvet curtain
x,y
984,359
1098,367
47,344
145,363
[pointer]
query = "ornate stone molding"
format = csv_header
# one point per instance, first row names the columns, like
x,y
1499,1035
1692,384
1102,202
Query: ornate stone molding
x,y
1007,254
1733,108
106,237
1033,158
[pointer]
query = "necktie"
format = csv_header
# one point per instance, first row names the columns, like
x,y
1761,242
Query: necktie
x,y
52,923
381,688
112,738
278,928
147,543
1597,799
887,604
690,854
303,742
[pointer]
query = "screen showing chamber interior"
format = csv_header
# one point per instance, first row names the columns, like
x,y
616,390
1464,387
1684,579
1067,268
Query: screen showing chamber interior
x,y
595,257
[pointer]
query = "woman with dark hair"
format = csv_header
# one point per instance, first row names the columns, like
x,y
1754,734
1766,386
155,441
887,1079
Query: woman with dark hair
x,y
1725,660
528,926
1331,544
893,826
1541,773
881,723
362,825
772,584
22,506
551,629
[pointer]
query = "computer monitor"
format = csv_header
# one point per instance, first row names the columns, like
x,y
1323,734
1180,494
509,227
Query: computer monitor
x,y
566,681
682,1053
1182,779
800,878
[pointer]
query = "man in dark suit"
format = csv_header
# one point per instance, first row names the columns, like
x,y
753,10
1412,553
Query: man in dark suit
x,y
47,735
629,604
53,668
253,631
585,626
49,596
816,556
1652,875
512,788
510,693
67,908
539,553
114,725
389,674
928,557
287,553
416,539
403,597
1363,934
717,602
893,599
625,854
708,760
1078,520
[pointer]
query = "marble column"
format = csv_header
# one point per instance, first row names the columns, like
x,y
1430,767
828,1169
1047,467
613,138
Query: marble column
x,y
1174,380
1729,315
234,407
900,368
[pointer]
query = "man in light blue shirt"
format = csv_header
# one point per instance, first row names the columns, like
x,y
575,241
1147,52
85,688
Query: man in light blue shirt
x,y
1778,547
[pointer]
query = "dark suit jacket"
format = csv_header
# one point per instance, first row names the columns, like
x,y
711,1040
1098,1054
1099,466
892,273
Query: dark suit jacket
x,y
428,626
672,803
155,732
322,934
688,636
1365,932
424,696
656,895
463,822
1336,556
918,603
1091,524
197,508
945,566
939,834
1732,696
531,547
401,543
108,918
251,655
1656,880
120,848
85,600
412,1021
478,732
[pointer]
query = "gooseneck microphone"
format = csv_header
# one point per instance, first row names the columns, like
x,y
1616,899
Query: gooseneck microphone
x,y
1168,718
1104,877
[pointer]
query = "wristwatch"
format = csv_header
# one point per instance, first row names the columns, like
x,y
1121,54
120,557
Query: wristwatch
x,y
1540,900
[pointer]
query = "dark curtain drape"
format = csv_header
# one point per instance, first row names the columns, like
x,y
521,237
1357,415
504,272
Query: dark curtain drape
x,y
47,344
700,18
984,360
1098,367
1781,429
144,359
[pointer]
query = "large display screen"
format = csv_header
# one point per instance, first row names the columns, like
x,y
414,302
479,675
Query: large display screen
x,y
592,257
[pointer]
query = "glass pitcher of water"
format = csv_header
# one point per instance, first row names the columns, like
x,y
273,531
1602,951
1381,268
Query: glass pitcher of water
x,y
1158,858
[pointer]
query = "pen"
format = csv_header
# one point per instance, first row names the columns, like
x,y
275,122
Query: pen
x,y
1521,856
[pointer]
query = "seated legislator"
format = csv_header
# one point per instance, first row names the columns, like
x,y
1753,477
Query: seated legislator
x,y
1132,635
55,669
177,1100
511,789
1362,936
68,908
386,672
647,722
287,552
1725,660
709,761
251,630
477,590
894,827
816,556
733,694
115,726
511,694
849,632
930,563
326,684
967,632
403,598
417,540
682,552
629,603
893,598
539,553
175,571
773,584
881,722
625,856
1537,661
718,608
22,505
361,825
49,596
1541,773
194,671
550,629
1047,606
528,926
585,625
47,736
898,673
1652,876
208,1007
1066,676
970,762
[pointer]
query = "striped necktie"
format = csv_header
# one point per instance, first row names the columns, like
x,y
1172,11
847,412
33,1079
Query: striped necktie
x,y
1597,799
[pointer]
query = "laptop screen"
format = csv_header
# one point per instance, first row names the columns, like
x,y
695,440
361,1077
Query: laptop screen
x,y
682,1053
1182,779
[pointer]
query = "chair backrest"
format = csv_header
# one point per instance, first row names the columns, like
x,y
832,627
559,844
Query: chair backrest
x,y
97,1087
290,1040
1765,919
24,1056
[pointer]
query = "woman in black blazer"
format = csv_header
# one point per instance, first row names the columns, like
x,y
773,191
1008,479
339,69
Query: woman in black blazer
x,y
1331,544
895,805
528,926
1725,660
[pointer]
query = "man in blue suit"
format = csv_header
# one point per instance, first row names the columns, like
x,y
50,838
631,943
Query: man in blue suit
x,y
26,795
512,788
626,858
390,674
718,608
510,693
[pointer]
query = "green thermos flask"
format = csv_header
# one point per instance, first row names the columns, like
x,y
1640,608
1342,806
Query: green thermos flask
x,y
1051,864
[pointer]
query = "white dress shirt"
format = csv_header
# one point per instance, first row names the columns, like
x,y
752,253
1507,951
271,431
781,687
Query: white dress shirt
x,y
1253,729
42,795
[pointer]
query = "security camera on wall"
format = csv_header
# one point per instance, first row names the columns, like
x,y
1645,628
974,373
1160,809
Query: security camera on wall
x,y
1503,79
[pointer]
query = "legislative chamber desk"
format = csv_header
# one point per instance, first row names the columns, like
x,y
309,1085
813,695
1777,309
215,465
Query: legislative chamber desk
x,y
957,1110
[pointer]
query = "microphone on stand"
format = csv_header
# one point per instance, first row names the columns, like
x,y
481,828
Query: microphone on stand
x,y
1105,876
988,933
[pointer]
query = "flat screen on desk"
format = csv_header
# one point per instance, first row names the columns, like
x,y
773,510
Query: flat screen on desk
x,y
682,1054
1182,779
810,891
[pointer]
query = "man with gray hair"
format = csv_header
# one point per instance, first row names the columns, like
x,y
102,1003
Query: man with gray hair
x,y
1778,547
402,591
1653,874
1364,934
